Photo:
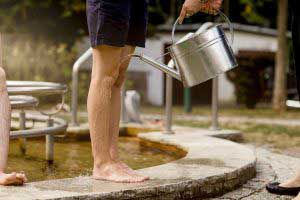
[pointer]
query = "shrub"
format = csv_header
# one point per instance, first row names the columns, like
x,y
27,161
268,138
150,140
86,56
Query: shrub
x,y
26,58
253,78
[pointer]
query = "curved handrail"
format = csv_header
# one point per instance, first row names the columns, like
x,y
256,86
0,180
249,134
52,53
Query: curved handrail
x,y
38,89
60,126
23,102
75,81
35,88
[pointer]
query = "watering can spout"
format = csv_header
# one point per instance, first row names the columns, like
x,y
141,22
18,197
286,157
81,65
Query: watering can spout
x,y
168,70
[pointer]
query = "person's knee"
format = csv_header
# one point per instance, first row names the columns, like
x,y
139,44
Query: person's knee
x,y
108,82
126,55
102,89
105,82
121,79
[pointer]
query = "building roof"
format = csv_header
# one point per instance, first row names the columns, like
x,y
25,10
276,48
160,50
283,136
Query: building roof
x,y
237,27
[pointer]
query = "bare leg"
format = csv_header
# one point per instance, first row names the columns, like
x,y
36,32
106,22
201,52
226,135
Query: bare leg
x,y
5,113
116,107
106,60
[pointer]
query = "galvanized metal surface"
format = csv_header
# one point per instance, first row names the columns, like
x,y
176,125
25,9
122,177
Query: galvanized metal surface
x,y
198,57
35,88
207,65
173,72
75,80
169,104
169,84
22,124
23,102
54,126
214,105
203,57
60,126
50,143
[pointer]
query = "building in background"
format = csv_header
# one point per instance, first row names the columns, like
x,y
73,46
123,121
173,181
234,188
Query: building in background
x,y
150,82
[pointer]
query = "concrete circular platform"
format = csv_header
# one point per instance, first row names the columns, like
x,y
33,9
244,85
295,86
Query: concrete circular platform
x,y
211,167
133,129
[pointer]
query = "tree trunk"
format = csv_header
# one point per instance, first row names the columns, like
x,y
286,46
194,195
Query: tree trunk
x,y
279,92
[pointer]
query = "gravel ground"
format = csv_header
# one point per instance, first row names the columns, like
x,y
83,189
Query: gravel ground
x,y
270,167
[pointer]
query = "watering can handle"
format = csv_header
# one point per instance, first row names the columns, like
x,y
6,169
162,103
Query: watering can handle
x,y
219,13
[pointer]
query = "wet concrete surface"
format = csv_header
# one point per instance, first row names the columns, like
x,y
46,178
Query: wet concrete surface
x,y
211,167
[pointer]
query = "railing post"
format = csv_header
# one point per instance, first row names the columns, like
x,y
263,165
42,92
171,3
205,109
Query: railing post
x,y
50,143
169,104
74,110
22,126
214,104
75,82
187,100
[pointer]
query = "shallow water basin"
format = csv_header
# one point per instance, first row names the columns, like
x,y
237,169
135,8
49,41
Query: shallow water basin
x,y
74,158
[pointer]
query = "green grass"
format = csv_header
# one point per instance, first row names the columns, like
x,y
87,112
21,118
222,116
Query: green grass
x,y
273,129
261,111
249,128
276,136
228,111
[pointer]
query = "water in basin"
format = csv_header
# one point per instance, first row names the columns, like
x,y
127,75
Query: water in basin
x,y
73,158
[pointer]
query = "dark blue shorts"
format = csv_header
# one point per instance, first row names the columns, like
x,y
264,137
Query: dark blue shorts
x,y
117,22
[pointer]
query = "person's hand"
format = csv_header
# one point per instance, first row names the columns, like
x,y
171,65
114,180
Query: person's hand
x,y
190,7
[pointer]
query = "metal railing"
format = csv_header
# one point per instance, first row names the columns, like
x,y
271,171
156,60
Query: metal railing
x,y
169,93
75,80
23,102
215,105
54,125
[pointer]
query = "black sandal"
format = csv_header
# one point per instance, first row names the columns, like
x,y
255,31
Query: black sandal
x,y
276,189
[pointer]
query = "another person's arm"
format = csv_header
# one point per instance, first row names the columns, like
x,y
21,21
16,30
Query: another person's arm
x,y
191,7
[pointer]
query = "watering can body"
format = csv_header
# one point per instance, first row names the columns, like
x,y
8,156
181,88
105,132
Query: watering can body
x,y
203,56
198,57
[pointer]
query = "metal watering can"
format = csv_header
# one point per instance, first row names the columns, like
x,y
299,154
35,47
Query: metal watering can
x,y
198,56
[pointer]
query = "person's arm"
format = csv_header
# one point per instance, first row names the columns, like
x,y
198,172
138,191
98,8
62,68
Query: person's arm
x,y
191,7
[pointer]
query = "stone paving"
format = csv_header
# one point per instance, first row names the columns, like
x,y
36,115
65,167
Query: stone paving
x,y
270,167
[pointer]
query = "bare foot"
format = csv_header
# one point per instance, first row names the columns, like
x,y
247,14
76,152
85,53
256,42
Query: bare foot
x,y
12,179
297,197
291,183
130,170
113,172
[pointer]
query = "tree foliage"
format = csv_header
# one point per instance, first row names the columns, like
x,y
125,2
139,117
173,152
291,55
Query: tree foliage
x,y
65,20
61,20
255,11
